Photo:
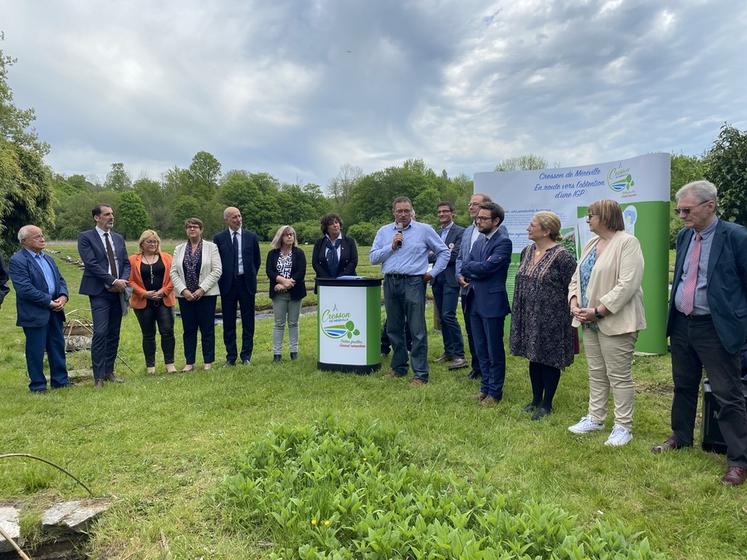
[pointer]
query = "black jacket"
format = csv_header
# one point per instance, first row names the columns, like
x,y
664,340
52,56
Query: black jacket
x,y
298,272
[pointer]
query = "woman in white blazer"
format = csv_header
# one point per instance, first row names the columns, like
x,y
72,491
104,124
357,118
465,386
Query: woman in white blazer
x,y
195,272
606,298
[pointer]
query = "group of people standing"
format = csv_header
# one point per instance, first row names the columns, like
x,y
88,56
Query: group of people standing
x,y
554,295
600,294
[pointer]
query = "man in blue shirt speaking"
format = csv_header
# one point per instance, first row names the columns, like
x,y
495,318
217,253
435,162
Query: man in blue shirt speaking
x,y
402,248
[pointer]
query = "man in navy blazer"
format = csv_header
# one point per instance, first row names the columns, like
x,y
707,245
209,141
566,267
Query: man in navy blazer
x,y
105,279
470,235
446,289
486,269
41,295
240,258
708,324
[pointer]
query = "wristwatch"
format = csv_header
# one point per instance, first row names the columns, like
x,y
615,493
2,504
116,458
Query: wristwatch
x,y
597,314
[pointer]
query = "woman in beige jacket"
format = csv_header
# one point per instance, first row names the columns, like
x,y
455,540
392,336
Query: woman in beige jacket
x,y
606,298
195,272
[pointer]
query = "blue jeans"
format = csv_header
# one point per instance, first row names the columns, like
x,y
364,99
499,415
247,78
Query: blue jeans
x,y
447,298
284,309
404,300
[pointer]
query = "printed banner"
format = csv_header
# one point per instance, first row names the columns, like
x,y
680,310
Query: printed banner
x,y
640,185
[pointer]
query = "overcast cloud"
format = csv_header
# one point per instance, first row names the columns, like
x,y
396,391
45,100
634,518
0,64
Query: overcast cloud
x,y
299,88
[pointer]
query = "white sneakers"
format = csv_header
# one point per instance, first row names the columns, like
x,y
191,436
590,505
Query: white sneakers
x,y
618,437
586,425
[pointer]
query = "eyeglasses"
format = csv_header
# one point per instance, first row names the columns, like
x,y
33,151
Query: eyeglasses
x,y
483,218
686,211
193,227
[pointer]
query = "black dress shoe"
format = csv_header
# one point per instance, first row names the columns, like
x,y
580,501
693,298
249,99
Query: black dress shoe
x,y
531,407
111,378
473,375
541,412
667,445
276,358
294,355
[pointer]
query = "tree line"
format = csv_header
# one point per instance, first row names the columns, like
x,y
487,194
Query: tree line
x,y
31,192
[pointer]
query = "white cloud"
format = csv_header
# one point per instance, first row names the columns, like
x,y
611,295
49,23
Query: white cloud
x,y
300,88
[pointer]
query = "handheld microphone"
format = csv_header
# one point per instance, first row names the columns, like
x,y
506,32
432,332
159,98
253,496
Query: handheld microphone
x,y
398,227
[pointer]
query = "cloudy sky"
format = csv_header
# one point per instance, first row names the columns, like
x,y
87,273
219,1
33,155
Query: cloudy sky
x,y
300,88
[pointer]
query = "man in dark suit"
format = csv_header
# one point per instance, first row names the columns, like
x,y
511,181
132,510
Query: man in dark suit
x,y
41,295
446,289
486,269
470,235
239,255
3,282
708,323
104,281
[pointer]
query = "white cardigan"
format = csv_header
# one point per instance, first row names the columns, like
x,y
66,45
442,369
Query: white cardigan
x,y
210,270
615,282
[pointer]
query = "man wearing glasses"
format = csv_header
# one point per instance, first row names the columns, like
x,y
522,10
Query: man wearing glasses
x,y
486,268
402,251
708,323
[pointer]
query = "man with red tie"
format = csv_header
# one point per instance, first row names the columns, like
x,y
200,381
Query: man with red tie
x,y
708,323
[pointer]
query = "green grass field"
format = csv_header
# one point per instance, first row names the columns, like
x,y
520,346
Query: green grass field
x,y
162,445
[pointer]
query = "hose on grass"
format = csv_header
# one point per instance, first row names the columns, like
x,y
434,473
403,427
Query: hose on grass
x,y
58,467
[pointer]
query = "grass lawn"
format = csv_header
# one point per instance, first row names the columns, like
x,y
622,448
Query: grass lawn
x,y
162,445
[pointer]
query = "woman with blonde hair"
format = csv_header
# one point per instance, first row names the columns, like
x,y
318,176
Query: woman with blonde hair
x,y
153,298
540,316
606,298
286,269
195,272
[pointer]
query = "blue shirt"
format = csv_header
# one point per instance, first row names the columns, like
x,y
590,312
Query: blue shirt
x,y
701,284
42,263
412,257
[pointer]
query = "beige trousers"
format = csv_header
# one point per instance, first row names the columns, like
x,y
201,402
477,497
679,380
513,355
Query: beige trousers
x,y
610,360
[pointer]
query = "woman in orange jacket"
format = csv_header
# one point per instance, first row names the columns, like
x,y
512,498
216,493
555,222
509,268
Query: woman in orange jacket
x,y
153,298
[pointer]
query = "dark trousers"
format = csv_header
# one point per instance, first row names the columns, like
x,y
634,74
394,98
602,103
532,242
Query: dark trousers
x,y
49,339
695,345
488,335
106,312
386,346
148,317
447,298
238,297
404,299
545,381
467,305
200,315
